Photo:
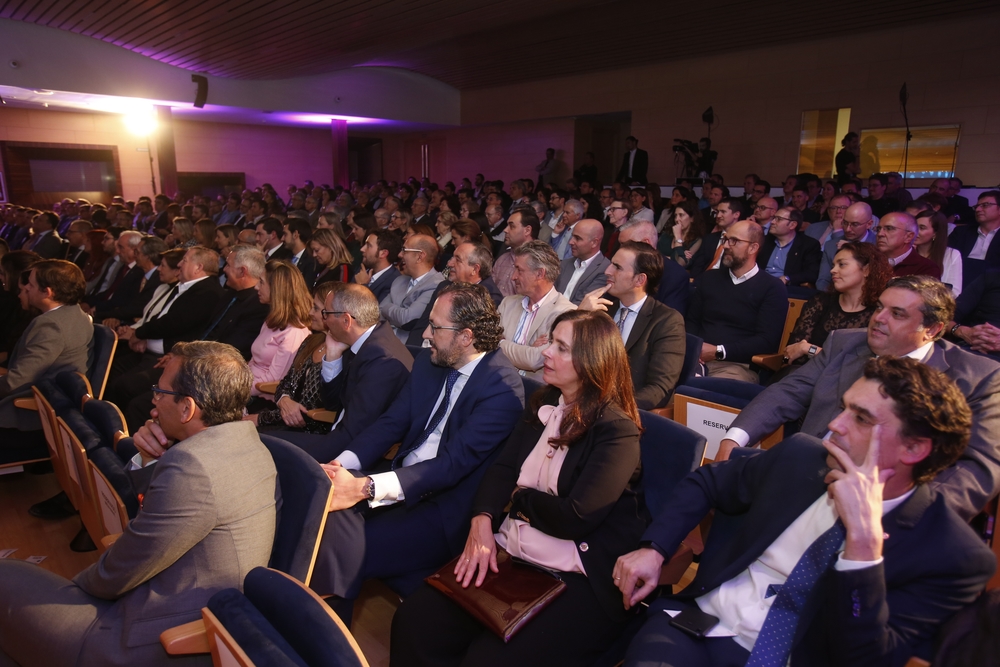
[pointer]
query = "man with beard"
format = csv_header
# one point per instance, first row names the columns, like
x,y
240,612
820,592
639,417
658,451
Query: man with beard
x,y
739,311
379,255
408,517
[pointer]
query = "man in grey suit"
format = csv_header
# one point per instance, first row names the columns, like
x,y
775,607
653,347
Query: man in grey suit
x,y
47,243
584,271
207,519
55,341
411,292
909,320
527,316
856,227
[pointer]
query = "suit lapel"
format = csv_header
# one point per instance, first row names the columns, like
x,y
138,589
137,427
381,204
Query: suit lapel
x,y
642,319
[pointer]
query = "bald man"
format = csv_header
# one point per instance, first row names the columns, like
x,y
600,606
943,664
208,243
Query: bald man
x,y
584,270
856,226
412,291
895,237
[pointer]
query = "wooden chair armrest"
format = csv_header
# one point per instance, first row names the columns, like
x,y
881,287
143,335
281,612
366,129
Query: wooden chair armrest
x,y
26,403
321,415
667,412
772,362
108,540
674,569
186,639
917,662
267,387
3,371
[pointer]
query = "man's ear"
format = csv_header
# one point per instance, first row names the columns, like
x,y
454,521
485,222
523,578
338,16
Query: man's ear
x,y
915,450
189,410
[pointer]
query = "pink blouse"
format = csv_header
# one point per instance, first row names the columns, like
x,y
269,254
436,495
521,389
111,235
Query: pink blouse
x,y
273,353
540,471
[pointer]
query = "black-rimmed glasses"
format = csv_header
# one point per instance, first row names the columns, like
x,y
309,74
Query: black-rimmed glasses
x,y
326,313
157,392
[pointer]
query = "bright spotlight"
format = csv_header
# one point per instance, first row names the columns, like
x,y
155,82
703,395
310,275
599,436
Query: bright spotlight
x,y
140,123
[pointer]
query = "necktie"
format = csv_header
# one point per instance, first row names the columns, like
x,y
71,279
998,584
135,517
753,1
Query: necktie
x,y
96,289
717,255
622,319
218,319
295,260
157,306
110,292
435,420
142,283
774,643
171,295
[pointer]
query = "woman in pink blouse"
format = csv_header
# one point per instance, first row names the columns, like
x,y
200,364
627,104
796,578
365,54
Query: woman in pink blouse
x,y
283,287
568,474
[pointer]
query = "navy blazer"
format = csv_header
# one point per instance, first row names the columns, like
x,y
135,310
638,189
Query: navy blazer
x,y
482,418
934,563
963,239
802,261
240,325
366,386
701,260
108,305
380,288
188,317
416,337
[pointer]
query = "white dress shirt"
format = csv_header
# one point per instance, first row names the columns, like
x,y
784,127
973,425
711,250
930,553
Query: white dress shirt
x,y
580,265
983,242
633,312
156,345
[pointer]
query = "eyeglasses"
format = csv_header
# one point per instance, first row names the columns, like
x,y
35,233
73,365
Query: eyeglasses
x,y
327,313
855,225
411,250
888,229
837,208
983,205
157,391
758,207
617,208
732,241
435,328
395,216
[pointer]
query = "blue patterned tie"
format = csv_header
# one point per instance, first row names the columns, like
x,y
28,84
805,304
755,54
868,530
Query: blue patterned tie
x,y
435,420
774,643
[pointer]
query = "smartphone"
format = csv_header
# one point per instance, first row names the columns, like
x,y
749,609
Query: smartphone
x,y
694,621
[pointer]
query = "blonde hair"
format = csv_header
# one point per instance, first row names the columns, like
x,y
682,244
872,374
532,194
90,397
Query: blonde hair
x,y
290,298
328,239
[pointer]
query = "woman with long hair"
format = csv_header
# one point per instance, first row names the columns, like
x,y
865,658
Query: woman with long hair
x,y
686,233
94,245
666,219
568,474
181,234
333,259
287,325
204,234
932,243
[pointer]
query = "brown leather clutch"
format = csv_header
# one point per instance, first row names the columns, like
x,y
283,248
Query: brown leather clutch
x,y
507,600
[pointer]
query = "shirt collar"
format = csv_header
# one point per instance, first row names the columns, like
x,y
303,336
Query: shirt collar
x,y
149,274
183,287
378,274
637,306
468,368
362,338
584,263
898,260
538,304
745,277
922,352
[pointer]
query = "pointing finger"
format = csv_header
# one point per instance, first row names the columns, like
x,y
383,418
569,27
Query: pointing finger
x,y
874,445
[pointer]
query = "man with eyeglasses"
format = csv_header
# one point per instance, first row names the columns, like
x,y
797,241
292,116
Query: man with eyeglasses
x,y
789,256
411,292
822,230
977,243
894,238
763,212
617,216
557,200
409,516
739,310
709,254
760,190
856,227
895,190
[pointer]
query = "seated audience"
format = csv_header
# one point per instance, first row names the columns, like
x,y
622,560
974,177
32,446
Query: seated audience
x,y
709,255
379,257
739,310
977,315
652,332
522,226
204,232
684,237
856,227
527,316
584,270
284,290
333,259
882,205
123,285
568,473
894,238
298,234
181,234
856,560
787,254
412,291
675,284
835,210
363,366
76,237
860,273
57,340
909,320
15,311
268,234
932,243
976,242
408,517
46,242
207,519
800,202
119,309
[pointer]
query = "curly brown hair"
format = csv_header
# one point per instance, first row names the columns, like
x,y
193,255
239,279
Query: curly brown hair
x,y
601,363
929,404
472,308
879,271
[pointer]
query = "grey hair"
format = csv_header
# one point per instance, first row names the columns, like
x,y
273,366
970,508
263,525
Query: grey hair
x,y
574,205
645,231
358,301
216,376
250,258
938,305
540,256
483,257
132,237
152,247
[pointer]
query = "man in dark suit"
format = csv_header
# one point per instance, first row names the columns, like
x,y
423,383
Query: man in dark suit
x,y
117,311
584,271
207,519
268,234
47,243
675,283
379,256
792,257
161,221
977,243
297,235
76,237
410,517
364,368
729,211
773,581
468,264
909,321
126,285
635,163
652,332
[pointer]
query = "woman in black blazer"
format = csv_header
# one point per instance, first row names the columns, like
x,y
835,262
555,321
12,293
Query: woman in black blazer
x,y
591,511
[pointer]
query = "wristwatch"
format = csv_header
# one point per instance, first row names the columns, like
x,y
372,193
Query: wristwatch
x,y
720,354
812,350
369,489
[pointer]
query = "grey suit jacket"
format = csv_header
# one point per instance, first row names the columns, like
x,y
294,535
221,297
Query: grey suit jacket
x,y
402,309
207,519
55,341
526,357
592,278
655,348
814,390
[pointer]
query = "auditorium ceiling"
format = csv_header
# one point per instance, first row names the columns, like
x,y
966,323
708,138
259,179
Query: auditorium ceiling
x,y
463,44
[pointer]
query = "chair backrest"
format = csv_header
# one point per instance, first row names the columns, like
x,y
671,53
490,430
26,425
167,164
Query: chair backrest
x,y
102,354
305,495
111,509
47,415
692,358
107,420
794,310
415,350
82,484
75,386
279,621
669,452
709,406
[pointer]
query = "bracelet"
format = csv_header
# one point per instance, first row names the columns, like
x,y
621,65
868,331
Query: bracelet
x,y
954,330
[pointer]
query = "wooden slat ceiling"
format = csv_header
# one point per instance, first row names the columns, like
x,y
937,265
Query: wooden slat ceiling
x,y
465,44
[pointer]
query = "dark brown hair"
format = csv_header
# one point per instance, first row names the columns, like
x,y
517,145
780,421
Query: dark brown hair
x,y
65,279
601,363
879,271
